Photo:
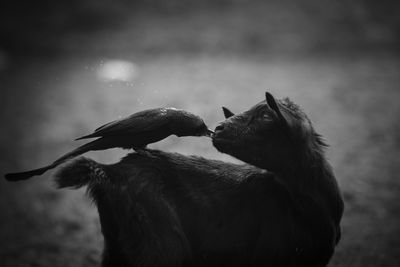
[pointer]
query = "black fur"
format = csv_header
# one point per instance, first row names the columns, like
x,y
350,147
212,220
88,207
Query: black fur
x,y
166,209
81,172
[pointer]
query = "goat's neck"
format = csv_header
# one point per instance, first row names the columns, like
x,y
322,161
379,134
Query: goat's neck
x,y
304,172
311,176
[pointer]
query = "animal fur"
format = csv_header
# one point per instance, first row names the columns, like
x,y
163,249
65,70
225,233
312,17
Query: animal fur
x,y
283,208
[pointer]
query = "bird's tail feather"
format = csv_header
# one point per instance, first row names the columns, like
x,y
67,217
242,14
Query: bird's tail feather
x,y
28,174
94,145
79,173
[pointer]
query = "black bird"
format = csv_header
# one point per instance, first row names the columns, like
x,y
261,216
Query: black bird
x,y
133,132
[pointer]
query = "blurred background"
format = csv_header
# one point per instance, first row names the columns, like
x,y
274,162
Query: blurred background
x,y
67,67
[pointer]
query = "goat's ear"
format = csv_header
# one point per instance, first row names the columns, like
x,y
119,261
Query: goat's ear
x,y
274,106
227,113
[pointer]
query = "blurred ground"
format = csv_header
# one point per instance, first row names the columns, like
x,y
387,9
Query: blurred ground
x,y
338,61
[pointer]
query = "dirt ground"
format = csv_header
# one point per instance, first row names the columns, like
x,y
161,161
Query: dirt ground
x,y
352,98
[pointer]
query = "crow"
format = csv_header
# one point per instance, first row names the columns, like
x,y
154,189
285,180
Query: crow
x,y
133,132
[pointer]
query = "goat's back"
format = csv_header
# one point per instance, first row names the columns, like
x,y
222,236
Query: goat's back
x,y
160,208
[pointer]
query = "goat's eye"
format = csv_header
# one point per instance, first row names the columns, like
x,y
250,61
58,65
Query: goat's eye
x,y
267,117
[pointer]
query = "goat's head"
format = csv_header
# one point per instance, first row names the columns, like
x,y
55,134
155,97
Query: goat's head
x,y
270,135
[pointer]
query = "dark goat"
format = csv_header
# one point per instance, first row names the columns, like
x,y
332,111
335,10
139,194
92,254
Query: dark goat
x,y
165,209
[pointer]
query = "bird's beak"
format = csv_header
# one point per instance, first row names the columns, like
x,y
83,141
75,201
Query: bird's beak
x,y
209,133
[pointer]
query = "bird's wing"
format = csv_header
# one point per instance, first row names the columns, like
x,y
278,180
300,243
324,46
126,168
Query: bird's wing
x,y
147,120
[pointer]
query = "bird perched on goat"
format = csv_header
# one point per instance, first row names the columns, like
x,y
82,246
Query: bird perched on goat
x,y
133,132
